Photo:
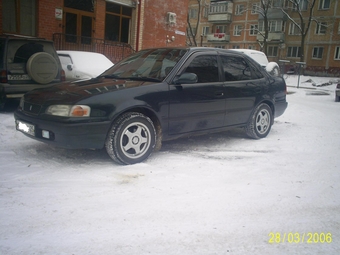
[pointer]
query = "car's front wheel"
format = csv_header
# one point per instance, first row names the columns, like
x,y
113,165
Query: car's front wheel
x,y
132,138
260,122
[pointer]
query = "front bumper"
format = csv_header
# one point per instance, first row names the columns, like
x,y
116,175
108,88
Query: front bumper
x,y
71,135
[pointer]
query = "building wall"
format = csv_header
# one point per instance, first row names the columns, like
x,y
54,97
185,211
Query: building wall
x,y
156,30
149,27
47,24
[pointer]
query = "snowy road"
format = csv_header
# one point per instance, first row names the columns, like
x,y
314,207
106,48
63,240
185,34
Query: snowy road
x,y
214,194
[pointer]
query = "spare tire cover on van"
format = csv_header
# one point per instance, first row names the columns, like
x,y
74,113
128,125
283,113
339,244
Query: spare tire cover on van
x,y
42,67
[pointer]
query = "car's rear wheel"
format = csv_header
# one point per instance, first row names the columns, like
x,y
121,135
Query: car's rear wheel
x,y
131,139
260,122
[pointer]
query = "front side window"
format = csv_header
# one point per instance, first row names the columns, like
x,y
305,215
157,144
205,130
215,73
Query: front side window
x,y
235,69
205,67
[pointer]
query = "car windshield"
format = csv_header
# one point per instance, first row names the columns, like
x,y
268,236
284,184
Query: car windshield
x,y
152,65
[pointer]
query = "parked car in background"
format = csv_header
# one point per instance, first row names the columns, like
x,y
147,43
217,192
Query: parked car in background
x,y
27,63
337,93
152,96
261,58
79,65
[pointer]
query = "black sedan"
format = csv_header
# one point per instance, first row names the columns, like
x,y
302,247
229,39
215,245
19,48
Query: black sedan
x,y
152,96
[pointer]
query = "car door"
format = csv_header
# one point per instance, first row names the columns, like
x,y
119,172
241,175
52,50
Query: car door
x,y
199,106
243,86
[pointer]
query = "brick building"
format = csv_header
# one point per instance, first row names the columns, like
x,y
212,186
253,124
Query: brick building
x,y
113,27
237,24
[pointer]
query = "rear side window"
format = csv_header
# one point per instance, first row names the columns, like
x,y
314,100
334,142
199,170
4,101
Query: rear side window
x,y
205,67
237,69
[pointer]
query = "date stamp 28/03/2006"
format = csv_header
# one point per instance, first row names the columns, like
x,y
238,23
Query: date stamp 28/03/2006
x,y
296,237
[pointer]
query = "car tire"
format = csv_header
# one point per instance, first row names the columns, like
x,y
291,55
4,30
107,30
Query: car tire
x,y
131,139
260,122
42,67
337,98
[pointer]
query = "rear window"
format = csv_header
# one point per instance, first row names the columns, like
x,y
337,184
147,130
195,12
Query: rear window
x,y
19,51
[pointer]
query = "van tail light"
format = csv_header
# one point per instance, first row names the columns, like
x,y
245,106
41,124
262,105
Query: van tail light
x,y
62,74
3,76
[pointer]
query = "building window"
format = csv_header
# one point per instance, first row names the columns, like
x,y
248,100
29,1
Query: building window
x,y
303,5
339,28
236,46
255,8
205,30
324,4
220,29
193,13
294,52
237,30
117,22
272,51
19,17
239,9
321,28
253,29
218,7
317,52
293,29
337,53
273,26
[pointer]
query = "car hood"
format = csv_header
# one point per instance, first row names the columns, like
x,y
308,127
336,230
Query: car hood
x,y
70,92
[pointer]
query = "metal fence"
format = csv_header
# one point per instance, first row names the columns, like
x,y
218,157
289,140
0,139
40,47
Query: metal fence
x,y
115,51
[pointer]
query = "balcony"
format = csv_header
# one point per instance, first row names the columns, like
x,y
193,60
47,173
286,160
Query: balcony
x,y
218,37
273,37
219,17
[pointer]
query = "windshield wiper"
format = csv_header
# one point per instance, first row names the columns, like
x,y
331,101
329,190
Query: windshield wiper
x,y
113,76
142,78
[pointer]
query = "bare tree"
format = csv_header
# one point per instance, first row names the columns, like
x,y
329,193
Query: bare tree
x,y
192,31
262,9
303,22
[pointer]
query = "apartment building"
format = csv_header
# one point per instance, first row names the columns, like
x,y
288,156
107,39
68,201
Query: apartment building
x,y
239,24
122,26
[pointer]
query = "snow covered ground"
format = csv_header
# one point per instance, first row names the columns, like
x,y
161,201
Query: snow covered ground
x,y
215,194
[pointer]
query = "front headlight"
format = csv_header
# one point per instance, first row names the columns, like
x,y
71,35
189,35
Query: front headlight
x,y
69,110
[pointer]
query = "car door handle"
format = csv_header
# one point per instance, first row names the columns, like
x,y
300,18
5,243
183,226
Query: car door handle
x,y
219,93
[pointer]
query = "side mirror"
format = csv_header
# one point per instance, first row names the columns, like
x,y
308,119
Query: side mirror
x,y
70,67
186,78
